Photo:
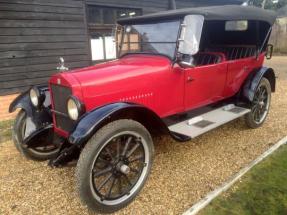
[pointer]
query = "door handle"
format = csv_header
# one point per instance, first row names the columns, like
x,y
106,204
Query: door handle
x,y
189,79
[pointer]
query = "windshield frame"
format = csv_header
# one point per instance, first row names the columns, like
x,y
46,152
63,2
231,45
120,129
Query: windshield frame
x,y
121,29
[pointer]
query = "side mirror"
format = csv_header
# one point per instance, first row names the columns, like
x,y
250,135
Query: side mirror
x,y
269,51
190,34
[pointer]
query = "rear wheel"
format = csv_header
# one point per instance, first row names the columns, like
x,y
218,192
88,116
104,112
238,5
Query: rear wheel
x,y
34,153
260,105
114,165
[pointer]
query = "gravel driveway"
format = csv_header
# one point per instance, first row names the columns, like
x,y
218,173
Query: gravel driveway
x,y
181,175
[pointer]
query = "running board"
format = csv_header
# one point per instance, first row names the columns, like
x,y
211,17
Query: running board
x,y
203,123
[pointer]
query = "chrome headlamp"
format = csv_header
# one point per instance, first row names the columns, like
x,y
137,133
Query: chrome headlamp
x,y
37,97
75,108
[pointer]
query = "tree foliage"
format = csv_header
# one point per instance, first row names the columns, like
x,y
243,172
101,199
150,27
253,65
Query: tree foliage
x,y
268,4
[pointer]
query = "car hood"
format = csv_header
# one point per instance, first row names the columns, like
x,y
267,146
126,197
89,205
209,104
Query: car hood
x,y
128,67
102,82
124,68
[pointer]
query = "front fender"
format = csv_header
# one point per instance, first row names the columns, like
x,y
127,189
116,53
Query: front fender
x,y
90,122
40,117
23,102
41,137
254,79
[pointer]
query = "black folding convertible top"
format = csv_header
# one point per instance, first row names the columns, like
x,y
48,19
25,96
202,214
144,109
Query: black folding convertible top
x,y
226,12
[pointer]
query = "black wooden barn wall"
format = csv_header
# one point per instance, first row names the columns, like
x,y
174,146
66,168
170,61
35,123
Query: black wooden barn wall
x,y
34,34
150,6
147,6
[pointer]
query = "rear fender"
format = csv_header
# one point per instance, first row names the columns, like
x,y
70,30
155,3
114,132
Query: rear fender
x,y
254,79
91,122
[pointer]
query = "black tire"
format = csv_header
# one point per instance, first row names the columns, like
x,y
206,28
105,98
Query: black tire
x,y
30,153
259,106
90,157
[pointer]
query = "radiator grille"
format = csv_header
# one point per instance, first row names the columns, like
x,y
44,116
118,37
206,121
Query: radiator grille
x,y
60,96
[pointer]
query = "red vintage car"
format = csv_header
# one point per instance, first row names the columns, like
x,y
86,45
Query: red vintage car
x,y
180,72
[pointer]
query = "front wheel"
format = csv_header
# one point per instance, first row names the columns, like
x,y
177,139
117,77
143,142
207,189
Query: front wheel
x,y
40,153
114,165
260,105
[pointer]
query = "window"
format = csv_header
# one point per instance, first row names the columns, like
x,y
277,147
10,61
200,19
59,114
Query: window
x,y
109,15
94,15
101,21
103,46
241,25
124,13
150,38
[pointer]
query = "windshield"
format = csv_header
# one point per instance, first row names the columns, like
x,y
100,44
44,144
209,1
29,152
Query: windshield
x,y
155,38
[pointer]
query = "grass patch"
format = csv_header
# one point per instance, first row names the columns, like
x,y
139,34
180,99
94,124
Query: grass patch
x,y
263,190
5,130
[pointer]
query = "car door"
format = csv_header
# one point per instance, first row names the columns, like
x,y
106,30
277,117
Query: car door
x,y
204,84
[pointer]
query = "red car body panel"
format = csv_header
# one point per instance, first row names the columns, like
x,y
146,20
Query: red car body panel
x,y
143,79
156,83
238,70
204,88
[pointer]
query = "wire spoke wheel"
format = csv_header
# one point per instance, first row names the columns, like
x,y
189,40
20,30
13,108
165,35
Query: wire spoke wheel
x,y
114,165
119,166
260,104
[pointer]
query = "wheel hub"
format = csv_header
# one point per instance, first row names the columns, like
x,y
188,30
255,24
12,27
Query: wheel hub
x,y
261,103
122,167
125,169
